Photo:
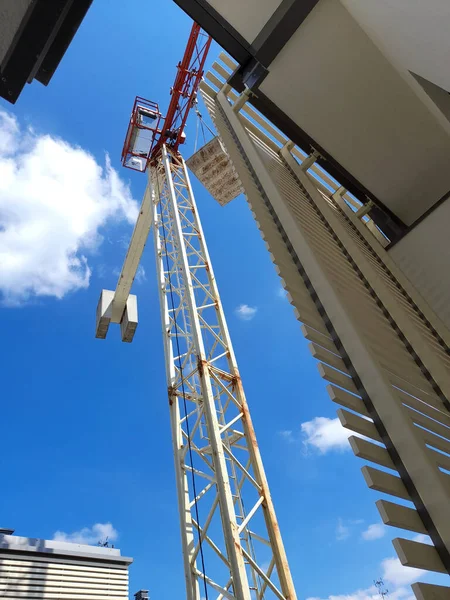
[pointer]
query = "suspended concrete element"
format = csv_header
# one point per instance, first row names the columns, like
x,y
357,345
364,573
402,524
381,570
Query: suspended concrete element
x,y
213,168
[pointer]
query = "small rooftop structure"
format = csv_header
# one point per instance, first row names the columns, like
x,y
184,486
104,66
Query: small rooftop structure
x,y
41,569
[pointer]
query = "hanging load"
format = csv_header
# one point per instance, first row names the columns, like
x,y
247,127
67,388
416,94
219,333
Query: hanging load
x,y
213,168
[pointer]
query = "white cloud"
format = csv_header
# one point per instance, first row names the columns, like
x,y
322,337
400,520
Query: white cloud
x,y
89,535
422,538
281,293
374,532
287,435
246,312
101,270
9,130
324,434
140,275
124,241
398,575
54,200
345,527
396,578
342,531
371,593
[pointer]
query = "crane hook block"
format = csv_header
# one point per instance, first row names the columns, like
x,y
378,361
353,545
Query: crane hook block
x,y
107,313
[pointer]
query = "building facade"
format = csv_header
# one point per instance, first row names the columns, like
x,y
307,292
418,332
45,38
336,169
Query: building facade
x,y
366,85
34,35
380,346
46,569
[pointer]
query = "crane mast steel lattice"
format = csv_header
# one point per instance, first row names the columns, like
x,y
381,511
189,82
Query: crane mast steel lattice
x,y
231,543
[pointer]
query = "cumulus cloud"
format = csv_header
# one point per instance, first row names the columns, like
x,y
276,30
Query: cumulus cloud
x,y
246,312
9,131
89,535
54,200
396,578
374,532
324,434
371,593
398,575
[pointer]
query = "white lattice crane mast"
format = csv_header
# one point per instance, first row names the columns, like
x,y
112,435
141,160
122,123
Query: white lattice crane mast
x,y
232,547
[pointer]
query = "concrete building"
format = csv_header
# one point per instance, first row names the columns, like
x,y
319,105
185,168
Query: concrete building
x,y
381,344
46,569
366,85
34,35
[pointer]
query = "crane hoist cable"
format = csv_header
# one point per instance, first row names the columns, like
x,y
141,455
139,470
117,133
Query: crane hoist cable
x,y
201,123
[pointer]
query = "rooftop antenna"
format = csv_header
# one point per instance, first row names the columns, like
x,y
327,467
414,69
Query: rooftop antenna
x,y
382,590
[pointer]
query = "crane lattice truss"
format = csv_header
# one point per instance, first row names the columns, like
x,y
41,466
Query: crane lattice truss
x,y
231,543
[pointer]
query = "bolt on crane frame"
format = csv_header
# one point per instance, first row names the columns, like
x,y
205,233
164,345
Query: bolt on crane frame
x,y
231,542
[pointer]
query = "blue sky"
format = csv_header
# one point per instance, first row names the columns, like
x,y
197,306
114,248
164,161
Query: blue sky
x,y
86,438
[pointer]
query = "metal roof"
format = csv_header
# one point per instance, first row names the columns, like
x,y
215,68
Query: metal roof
x,y
14,544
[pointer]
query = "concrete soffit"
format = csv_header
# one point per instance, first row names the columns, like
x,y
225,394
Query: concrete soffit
x,y
254,61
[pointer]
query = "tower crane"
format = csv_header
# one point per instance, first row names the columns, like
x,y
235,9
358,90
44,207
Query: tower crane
x,y
231,542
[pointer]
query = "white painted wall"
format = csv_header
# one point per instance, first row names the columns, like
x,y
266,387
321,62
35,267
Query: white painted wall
x,y
413,33
335,83
248,17
424,257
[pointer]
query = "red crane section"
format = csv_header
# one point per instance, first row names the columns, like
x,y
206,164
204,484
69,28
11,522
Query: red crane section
x,y
148,129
